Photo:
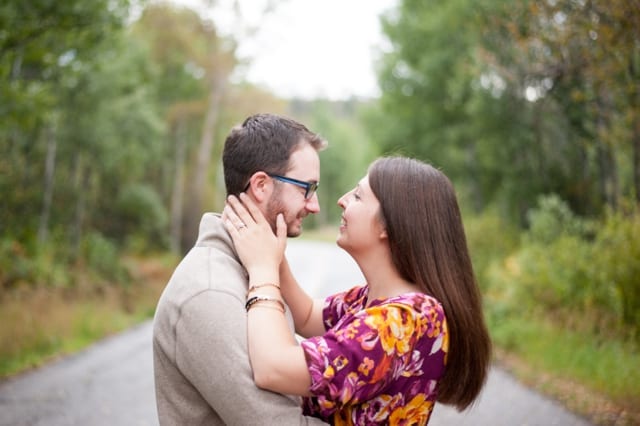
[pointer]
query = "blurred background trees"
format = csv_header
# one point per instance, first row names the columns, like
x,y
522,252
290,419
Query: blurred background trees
x,y
518,99
532,108
113,115
112,129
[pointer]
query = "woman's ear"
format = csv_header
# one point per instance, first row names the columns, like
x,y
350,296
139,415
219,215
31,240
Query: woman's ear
x,y
259,187
381,225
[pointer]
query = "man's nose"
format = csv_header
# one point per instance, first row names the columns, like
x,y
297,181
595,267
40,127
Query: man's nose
x,y
313,205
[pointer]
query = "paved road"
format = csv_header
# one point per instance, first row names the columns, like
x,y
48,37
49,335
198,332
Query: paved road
x,y
111,383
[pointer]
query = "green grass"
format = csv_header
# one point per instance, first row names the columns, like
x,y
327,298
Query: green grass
x,y
560,361
64,327
38,324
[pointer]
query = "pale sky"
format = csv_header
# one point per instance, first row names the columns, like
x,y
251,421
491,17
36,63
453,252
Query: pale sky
x,y
306,48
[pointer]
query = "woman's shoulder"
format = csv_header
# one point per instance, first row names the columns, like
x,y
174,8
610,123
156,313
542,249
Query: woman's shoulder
x,y
416,301
353,295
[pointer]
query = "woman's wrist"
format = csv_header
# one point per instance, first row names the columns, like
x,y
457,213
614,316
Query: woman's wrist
x,y
255,287
265,272
262,300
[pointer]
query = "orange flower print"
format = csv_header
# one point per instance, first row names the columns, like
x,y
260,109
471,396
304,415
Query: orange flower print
x,y
394,328
329,372
377,365
379,408
352,330
365,366
415,412
340,362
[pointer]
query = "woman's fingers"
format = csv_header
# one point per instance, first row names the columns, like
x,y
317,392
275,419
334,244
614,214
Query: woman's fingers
x,y
253,210
240,210
231,222
246,210
281,232
228,214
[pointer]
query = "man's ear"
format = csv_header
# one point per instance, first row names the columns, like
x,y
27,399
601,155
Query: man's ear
x,y
260,187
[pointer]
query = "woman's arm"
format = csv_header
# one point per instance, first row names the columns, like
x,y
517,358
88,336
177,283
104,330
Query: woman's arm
x,y
277,360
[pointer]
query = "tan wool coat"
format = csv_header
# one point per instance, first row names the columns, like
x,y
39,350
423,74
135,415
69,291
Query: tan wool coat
x,y
201,364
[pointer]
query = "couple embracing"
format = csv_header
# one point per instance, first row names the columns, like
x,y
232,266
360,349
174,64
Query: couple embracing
x,y
383,352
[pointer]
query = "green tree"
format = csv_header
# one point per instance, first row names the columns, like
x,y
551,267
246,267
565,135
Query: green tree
x,y
194,65
441,102
37,42
517,99
582,60
80,120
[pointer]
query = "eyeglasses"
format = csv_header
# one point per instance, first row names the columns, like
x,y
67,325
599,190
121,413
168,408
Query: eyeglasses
x,y
309,187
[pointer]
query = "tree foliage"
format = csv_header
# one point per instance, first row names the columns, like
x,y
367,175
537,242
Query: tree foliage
x,y
110,131
83,130
517,99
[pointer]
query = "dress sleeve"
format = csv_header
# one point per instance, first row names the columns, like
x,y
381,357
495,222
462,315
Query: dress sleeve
x,y
337,305
355,361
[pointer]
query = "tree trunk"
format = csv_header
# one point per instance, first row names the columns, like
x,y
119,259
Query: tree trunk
x,y
607,166
195,210
636,154
80,178
49,169
178,185
634,96
606,158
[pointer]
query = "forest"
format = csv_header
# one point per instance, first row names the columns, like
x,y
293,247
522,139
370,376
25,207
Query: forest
x,y
113,114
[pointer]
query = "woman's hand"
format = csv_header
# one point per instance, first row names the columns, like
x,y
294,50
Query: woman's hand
x,y
258,248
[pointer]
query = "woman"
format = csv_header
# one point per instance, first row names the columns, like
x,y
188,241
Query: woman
x,y
385,352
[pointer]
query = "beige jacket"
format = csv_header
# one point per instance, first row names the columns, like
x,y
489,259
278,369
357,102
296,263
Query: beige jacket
x,y
201,365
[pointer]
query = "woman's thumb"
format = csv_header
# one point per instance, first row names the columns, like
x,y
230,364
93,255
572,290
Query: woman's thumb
x,y
281,227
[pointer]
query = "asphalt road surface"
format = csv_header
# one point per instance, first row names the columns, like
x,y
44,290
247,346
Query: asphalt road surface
x,y
111,383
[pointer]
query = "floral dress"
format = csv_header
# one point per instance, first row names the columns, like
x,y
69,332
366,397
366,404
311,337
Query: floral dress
x,y
377,364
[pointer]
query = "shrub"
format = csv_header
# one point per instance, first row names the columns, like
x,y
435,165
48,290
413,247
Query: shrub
x,y
490,239
617,264
142,218
102,257
551,219
581,274
22,265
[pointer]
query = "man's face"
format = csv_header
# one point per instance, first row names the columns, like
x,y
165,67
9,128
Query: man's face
x,y
288,198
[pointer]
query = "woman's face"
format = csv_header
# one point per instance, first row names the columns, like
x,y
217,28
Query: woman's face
x,y
360,227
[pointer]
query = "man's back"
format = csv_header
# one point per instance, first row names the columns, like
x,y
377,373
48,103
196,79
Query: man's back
x,y
201,364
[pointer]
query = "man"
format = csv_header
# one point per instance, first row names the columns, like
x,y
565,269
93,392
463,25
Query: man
x,y
201,365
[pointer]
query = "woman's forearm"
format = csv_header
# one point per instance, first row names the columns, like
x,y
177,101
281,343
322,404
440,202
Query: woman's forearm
x,y
277,360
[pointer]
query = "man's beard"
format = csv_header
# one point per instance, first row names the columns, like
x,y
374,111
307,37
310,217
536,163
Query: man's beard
x,y
274,207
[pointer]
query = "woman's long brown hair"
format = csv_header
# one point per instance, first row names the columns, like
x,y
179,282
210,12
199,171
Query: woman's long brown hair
x,y
429,248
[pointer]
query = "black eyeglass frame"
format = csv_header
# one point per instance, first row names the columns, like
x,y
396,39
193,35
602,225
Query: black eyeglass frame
x,y
309,187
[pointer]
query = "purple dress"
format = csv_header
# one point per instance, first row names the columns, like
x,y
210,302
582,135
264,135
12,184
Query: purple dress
x,y
378,364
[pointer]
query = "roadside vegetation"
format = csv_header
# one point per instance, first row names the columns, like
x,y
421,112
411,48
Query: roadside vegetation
x,y
42,322
559,301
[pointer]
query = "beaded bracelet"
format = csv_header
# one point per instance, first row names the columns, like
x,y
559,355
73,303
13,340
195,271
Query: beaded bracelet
x,y
264,305
255,287
261,298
